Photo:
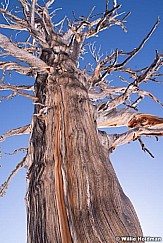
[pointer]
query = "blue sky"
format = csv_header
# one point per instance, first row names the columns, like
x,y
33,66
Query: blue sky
x,y
140,176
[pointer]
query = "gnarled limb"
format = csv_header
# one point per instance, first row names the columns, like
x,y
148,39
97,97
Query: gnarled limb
x,y
133,134
17,131
111,141
13,27
139,125
22,55
128,118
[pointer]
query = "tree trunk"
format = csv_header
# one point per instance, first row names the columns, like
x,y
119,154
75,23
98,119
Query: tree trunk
x,y
73,192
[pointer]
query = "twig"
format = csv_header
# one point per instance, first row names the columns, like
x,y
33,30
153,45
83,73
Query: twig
x,y
144,148
5,185
18,150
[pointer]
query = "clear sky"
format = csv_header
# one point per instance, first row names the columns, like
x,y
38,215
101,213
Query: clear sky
x,y
140,176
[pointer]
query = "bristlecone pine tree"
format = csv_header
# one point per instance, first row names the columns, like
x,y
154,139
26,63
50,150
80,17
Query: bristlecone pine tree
x,y
73,193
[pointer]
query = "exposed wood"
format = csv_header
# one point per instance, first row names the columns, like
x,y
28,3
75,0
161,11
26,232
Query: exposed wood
x,y
145,120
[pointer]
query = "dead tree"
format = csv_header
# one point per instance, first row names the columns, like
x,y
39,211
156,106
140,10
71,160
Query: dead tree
x,y
73,193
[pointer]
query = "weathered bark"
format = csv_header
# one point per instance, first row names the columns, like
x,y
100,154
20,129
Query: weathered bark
x,y
73,193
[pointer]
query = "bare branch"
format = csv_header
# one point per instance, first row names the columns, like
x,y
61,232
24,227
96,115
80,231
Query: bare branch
x,y
111,141
4,186
128,118
107,5
29,71
145,120
17,131
18,150
144,148
22,55
49,3
12,27
33,4
131,135
10,96
18,90
109,63
115,3
12,16
133,87
115,118
111,91
21,24
136,50
104,22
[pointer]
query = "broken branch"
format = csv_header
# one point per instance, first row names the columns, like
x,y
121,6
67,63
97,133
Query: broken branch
x,y
17,131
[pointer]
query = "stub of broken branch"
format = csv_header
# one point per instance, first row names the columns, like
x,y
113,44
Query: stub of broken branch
x,y
145,120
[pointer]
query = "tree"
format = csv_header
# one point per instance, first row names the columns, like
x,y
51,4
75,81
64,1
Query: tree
x,y
73,193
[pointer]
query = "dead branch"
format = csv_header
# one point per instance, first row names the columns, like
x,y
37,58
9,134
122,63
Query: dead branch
x,y
106,21
4,186
29,71
136,50
49,3
12,16
17,131
114,118
32,13
133,87
132,135
24,24
144,147
86,27
145,120
12,27
22,55
10,96
111,91
111,141
128,118
18,150
109,63
18,90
